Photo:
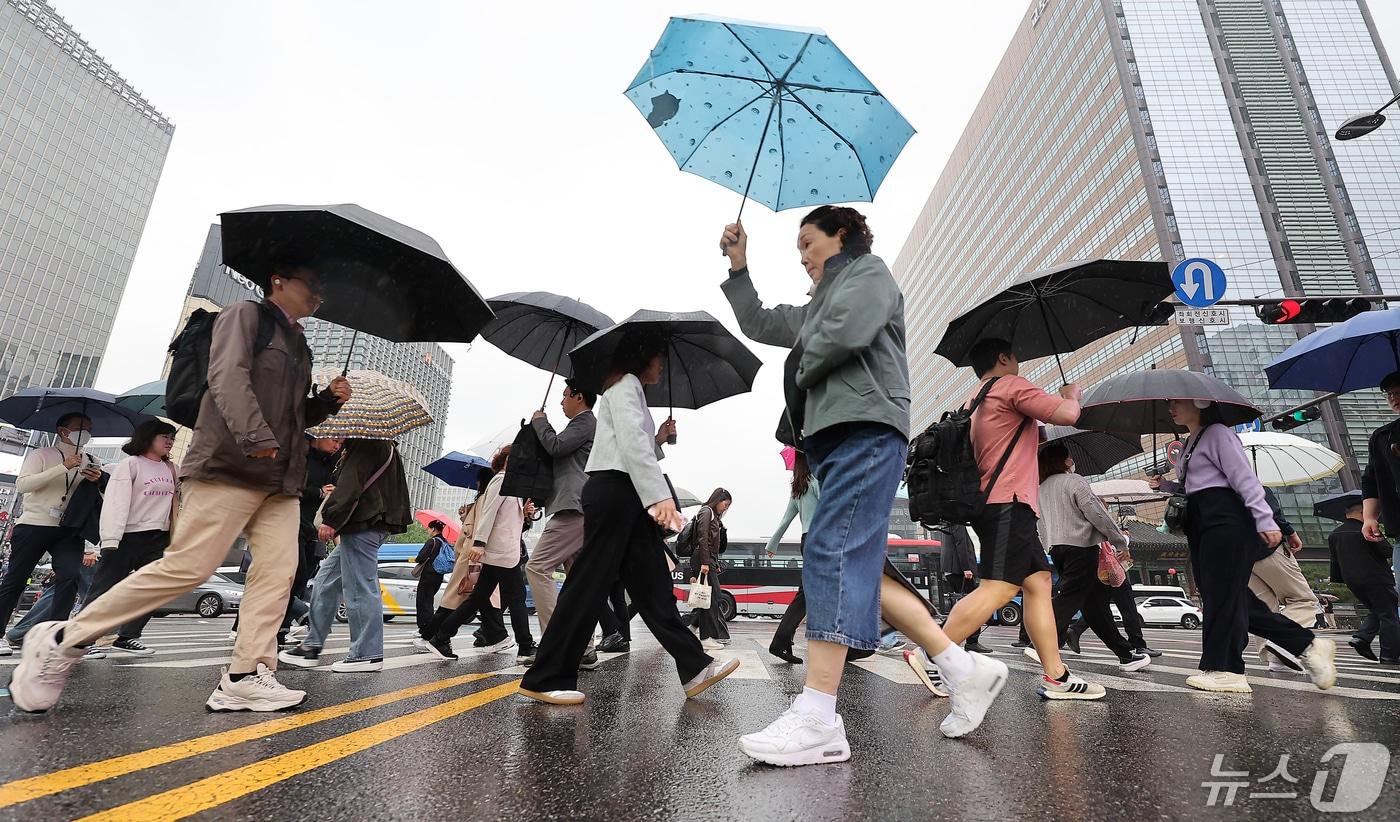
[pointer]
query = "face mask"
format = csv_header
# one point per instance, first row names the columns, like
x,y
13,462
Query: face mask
x,y
80,438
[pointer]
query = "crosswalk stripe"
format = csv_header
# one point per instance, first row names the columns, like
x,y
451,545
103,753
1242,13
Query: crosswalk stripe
x,y
894,670
750,664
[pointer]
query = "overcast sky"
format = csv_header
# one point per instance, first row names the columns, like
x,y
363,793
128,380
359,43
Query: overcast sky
x,y
501,130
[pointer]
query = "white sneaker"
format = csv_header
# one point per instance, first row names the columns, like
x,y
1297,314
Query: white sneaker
x,y
1320,660
1220,681
1074,687
553,697
972,696
507,644
43,670
1137,663
1277,659
798,739
420,643
358,666
714,672
95,653
712,645
259,691
1276,667
5,649
927,672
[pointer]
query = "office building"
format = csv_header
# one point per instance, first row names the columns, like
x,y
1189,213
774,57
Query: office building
x,y
81,152
1163,130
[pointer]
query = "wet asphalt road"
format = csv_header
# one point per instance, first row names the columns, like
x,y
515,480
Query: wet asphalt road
x,y
436,740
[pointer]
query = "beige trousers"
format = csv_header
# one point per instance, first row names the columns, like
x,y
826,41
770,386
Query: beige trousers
x,y
212,516
1279,582
559,545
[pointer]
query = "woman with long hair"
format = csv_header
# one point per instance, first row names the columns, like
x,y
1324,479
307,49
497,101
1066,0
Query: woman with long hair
x,y
626,503
710,542
1228,528
138,511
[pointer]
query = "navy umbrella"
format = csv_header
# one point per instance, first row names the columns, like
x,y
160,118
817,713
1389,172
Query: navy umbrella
x,y
541,329
1348,356
1094,452
40,409
457,469
1335,507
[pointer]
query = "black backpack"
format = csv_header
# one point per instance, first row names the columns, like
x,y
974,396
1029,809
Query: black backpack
x,y
945,483
189,362
530,472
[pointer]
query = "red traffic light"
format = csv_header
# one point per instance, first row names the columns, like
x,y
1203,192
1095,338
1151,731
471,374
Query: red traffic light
x,y
1312,310
1279,313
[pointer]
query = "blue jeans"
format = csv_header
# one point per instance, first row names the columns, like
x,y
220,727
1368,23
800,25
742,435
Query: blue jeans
x,y
351,571
42,609
859,467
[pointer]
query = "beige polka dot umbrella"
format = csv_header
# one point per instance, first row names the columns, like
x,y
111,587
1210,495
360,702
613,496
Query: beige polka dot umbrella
x,y
380,408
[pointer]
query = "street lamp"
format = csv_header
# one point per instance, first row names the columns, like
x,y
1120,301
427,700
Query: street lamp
x,y
1363,124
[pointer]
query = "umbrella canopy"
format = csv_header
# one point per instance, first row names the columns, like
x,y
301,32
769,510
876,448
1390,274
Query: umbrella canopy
x,y
457,469
380,408
1094,452
40,409
541,328
1125,491
1335,507
147,398
1062,309
704,362
1287,459
1136,402
1348,356
451,528
685,499
777,114
381,277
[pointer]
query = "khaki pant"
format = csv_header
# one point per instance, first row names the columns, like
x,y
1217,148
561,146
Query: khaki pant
x,y
212,516
1279,582
559,545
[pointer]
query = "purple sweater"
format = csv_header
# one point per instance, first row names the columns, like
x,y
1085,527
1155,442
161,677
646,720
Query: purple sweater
x,y
1219,461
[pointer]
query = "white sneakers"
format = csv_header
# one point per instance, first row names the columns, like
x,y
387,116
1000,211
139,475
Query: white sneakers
x,y
712,645
44,668
1320,661
972,696
1220,682
259,691
1074,687
926,671
1137,663
553,697
5,649
507,644
714,672
798,739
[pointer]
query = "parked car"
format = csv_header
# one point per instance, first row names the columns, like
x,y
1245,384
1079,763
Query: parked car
x,y
1169,611
398,588
216,597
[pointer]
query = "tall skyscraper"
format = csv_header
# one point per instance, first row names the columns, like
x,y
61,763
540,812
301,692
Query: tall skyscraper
x,y
426,366
80,155
1168,129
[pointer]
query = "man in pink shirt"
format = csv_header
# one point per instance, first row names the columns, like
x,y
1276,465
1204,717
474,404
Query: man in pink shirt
x,y
1005,433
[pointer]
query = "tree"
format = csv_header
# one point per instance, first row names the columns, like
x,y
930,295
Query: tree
x,y
416,533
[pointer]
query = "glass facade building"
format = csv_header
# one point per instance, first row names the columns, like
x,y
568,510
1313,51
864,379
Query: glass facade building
x,y
80,155
1168,129
426,366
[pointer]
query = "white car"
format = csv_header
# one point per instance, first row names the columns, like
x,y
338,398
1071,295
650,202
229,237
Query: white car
x,y
1169,611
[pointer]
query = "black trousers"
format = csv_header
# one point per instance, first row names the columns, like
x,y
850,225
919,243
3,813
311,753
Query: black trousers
x,y
615,618
136,550
793,614
1224,547
512,584
1081,590
28,544
428,584
1122,596
961,585
1381,601
620,541
708,620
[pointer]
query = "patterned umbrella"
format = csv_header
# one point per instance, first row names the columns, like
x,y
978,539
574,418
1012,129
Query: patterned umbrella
x,y
380,408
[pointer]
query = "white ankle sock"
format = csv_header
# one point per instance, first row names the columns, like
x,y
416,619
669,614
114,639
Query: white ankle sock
x,y
815,703
954,663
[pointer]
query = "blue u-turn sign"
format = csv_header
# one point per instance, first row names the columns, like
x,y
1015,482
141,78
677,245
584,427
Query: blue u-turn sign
x,y
1199,282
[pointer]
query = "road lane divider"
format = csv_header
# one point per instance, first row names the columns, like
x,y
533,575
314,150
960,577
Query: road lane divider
x,y
34,787
213,791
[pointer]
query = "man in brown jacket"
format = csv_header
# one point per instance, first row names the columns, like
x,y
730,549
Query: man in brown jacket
x,y
242,475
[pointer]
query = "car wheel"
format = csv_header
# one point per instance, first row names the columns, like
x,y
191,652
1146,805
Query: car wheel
x,y
209,606
1190,621
1010,614
341,615
728,608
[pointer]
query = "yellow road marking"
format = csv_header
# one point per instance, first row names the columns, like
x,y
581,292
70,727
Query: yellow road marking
x,y
23,790
217,790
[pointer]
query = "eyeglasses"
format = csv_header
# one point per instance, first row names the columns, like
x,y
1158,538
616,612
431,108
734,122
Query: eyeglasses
x,y
316,287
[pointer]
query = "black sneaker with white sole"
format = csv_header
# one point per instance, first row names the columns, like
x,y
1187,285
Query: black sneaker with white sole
x,y
442,648
590,661
301,656
132,646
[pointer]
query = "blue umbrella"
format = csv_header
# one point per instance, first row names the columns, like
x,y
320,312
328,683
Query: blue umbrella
x,y
777,114
40,409
1356,354
457,469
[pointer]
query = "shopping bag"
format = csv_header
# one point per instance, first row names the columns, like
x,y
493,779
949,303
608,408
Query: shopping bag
x,y
699,593
1111,571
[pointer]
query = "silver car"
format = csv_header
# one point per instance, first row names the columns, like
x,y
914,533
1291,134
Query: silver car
x,y
219,595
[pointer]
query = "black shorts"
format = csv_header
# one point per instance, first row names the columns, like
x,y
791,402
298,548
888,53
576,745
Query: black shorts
x,y
1011,549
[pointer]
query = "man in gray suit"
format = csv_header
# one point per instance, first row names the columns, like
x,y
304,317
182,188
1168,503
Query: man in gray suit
x,y
562,538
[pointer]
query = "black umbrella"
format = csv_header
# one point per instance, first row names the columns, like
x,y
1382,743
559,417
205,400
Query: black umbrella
x,y
704,362
40,409
1335,507
1094,452
382,277
1136,403
1063,309
541,329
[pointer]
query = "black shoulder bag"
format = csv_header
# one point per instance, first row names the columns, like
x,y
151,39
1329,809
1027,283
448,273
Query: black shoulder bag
x,y
1176,516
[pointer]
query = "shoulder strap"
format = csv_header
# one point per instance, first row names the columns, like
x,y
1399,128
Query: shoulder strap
x,y
982,395
1006,455
1186,455
368,483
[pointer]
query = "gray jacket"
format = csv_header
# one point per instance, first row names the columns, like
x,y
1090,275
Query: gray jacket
x,y
853,366
569,449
